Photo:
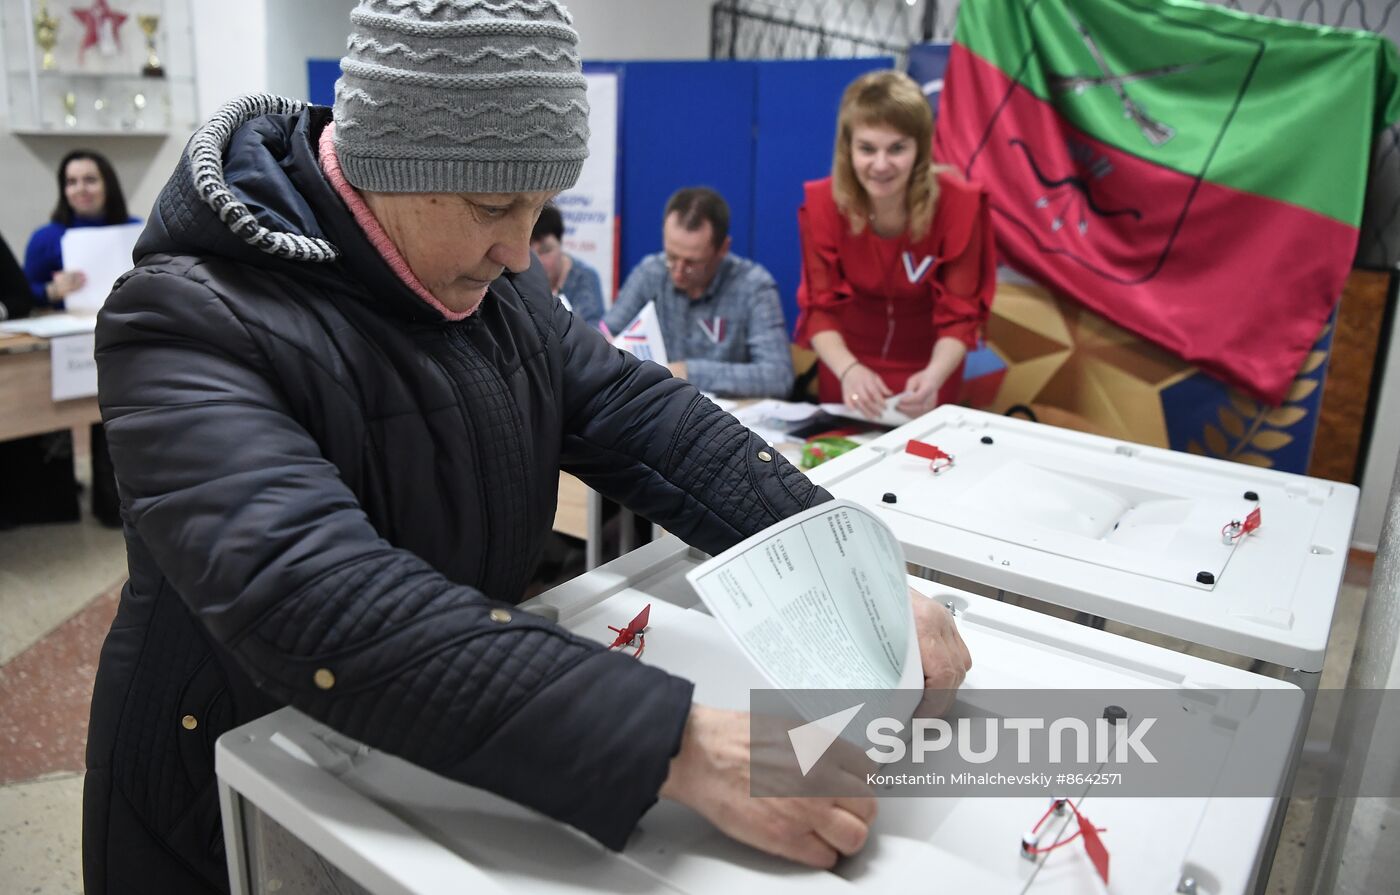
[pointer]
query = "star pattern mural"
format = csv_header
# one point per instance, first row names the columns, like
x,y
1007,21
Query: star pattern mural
x,y
1075,369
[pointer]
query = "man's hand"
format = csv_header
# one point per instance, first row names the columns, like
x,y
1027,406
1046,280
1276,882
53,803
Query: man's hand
x,y
945,656
677,369
711,774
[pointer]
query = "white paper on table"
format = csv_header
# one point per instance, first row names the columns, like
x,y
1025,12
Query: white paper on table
x,y
771,419
73,369
888,417
51,325
102,254
642,336
781,411
820,601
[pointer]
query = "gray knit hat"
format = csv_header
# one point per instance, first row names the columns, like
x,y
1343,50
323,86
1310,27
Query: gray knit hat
x,y
461,96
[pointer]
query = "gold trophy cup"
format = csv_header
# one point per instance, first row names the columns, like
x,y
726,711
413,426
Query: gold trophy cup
x,y
45,34
149,25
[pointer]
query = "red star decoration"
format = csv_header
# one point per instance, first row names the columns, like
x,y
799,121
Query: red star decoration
x,y
94,19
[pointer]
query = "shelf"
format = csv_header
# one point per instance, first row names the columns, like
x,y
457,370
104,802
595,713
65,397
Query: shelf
x,y
59,75
86,132
101,88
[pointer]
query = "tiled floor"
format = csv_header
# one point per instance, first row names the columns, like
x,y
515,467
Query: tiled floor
x,y
58,592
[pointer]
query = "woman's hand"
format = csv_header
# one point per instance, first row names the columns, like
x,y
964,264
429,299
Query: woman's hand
x,y
864,391
65,283
717,763
945,657
921,392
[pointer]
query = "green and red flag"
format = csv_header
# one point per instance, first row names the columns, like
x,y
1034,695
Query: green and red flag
x,y
1194,174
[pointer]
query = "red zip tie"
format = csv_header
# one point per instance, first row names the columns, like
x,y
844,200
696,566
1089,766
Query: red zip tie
x,y
1252,521
1093,845
1234,530
939,460
634,630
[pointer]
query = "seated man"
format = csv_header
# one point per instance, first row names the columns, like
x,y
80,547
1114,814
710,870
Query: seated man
x,y
720,315
571,280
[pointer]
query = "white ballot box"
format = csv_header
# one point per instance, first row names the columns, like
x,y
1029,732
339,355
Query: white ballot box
x,y
1133,534
295,793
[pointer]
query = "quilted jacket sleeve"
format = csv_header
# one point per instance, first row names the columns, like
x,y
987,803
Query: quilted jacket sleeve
x,y
254,530
655,444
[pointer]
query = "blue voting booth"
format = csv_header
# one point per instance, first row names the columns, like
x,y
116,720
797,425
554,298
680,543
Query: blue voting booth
x,y
754,131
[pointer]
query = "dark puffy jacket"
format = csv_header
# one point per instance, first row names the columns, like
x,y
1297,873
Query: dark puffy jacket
x,y
327,489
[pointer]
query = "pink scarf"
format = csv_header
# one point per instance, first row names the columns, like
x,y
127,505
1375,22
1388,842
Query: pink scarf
x,y
330,164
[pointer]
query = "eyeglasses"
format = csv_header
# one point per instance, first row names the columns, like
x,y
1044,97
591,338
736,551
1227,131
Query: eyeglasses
x,y
685,265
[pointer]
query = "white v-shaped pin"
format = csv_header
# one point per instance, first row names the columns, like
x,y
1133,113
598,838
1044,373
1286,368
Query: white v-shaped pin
x,y
915,274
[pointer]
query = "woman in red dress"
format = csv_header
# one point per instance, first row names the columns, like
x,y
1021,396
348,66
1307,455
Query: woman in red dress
x,y
898,261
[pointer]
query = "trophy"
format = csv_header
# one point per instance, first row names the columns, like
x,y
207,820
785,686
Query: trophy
x,y
45,34
70,109
138,106
149,24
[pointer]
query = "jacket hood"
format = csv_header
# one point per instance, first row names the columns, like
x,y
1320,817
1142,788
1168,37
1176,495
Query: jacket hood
x,y
249,188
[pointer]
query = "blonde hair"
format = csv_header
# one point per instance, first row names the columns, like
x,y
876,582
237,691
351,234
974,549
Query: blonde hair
x,y
889,99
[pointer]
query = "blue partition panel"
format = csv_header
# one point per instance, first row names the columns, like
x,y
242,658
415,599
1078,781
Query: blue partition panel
x,y
794,129
321,75
927,63
684,124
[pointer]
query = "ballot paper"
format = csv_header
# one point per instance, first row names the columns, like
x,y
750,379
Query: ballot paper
x,y
102,254
642,337
888,416
820,602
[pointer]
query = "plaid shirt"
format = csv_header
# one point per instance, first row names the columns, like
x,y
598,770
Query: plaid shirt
x,y
733,338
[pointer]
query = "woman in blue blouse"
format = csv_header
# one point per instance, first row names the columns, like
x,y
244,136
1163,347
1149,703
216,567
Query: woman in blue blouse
x,y
89,195
38,484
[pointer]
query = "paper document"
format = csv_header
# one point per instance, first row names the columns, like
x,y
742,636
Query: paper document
x,y
102,254
51,325
73,369
770,419
820,601
642,336
888,417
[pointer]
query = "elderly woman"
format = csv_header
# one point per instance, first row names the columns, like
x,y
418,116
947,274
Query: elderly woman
x,y
339,394
898,261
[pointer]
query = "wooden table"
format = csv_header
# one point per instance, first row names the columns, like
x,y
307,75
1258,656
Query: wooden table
x,y
26,392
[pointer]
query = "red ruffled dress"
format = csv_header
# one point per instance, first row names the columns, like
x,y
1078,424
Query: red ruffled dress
x,y
892,298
